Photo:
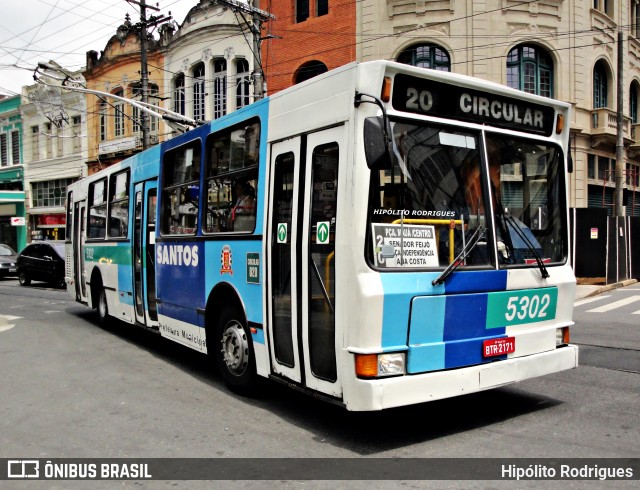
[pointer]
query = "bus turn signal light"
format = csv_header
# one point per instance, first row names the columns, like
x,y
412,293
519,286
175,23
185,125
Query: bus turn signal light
x,y
385,94
380,365
367,365
559,124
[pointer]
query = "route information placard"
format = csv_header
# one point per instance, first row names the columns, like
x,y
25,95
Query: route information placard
x,y
396,245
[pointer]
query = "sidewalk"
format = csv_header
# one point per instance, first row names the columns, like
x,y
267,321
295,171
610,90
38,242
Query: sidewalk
x,y
584,291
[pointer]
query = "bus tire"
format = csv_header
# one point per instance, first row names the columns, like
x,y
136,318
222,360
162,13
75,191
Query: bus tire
x,y
102,307
234,351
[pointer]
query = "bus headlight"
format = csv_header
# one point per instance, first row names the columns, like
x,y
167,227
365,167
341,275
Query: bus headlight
x,y
380,365
562,336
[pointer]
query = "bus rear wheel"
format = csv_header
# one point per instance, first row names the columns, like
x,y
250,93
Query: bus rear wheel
x,y
234,351
102,308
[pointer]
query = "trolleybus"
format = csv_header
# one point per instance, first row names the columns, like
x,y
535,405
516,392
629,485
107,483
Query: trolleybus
x,y
380,235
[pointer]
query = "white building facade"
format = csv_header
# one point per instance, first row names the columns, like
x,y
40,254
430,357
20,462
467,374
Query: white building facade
x,y
564,49
208,62
55,152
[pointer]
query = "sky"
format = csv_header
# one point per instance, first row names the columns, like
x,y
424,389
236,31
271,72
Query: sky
x,y
33,31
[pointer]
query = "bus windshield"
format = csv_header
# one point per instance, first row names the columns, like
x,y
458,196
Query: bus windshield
x,y
425,209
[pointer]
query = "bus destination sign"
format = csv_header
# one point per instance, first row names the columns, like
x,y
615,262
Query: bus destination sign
x,y
423,96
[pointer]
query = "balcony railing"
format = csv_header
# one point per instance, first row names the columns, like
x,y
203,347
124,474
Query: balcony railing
x,y
605,122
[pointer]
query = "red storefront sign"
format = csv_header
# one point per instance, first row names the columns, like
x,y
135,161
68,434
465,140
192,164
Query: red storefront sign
x,y
52,220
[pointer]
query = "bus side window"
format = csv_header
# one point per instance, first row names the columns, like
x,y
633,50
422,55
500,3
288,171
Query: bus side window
x,y
119,205
98,209
232,178
181,189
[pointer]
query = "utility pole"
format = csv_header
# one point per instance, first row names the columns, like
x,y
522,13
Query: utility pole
x,y
258,16
144,72
619,208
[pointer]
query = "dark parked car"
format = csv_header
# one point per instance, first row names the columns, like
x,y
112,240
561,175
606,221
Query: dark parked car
x,y
42,261
8,258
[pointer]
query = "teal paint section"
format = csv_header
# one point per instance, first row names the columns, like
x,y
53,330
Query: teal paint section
x,y
125,275
518,307
108,254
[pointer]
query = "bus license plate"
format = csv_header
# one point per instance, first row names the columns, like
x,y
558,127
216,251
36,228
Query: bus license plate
x,y
499,347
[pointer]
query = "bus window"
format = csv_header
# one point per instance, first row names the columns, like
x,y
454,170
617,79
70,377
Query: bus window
x,y
98,209
527,188
232,178
119,205
431,202
181,182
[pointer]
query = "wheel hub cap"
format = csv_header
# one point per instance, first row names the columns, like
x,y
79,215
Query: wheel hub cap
x,y
235,348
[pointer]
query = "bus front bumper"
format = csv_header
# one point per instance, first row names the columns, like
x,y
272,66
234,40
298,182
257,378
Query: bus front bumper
x,y
379,394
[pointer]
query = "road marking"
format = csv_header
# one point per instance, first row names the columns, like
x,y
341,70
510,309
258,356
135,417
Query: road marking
x,y
590,300
10,318
4,322
615,304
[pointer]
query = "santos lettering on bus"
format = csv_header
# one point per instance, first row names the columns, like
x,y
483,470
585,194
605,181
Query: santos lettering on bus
x,y
178,255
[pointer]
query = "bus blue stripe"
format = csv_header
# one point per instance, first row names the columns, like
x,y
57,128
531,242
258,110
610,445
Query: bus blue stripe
x,y
443,330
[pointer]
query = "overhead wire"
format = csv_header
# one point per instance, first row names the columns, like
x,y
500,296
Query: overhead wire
x,y
378,37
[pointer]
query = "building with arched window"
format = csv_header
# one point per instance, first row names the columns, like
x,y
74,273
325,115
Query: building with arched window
x,y
208,63
562,49
55,154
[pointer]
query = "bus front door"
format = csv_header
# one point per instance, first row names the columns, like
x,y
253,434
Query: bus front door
x,y
302,282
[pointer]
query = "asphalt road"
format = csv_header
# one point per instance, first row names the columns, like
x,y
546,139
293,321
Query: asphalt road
x,y
72,389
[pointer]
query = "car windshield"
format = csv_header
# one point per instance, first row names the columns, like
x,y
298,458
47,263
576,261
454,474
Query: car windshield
x,y
6,250
447,184
59,248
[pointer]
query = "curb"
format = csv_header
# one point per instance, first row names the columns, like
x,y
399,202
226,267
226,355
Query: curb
x,y
609,287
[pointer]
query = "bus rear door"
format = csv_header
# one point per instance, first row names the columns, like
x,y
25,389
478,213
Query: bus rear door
x,y
78,240
144,286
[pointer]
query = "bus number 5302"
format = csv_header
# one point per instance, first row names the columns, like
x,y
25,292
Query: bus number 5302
x,y
529,308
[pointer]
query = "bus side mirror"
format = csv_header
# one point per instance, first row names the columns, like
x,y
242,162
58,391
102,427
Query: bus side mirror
x,y
377,145
570,164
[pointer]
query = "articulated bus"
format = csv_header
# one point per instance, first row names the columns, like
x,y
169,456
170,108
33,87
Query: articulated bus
x,y
378,236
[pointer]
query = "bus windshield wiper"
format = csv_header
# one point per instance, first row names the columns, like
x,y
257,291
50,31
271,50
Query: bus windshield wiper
x,y
466,250
512,224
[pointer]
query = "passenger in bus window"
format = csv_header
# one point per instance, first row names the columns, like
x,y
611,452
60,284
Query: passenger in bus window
x,y
243,214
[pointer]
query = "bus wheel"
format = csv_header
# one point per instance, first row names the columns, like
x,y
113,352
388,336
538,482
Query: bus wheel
x,y
103,309
234,352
